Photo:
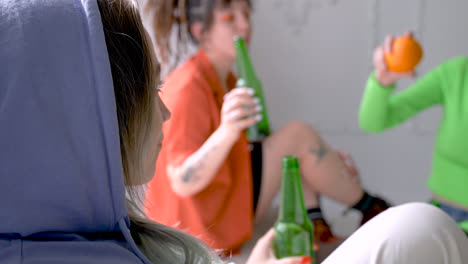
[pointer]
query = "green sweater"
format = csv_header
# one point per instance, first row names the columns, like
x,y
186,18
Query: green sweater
x,y
446,85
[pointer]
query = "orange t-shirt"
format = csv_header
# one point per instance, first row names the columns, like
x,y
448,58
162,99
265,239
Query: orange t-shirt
x,y
222,213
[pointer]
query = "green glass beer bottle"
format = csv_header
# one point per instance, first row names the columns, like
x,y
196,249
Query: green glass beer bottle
x,y
294,234
248,78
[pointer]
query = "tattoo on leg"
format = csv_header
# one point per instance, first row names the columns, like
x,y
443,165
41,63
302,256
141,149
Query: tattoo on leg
x,y
319,153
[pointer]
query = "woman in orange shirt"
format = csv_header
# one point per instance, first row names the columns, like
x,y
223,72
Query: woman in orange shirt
x,y
209,180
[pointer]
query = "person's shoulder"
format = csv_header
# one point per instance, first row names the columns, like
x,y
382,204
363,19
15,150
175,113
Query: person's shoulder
x,y
185,78
458,62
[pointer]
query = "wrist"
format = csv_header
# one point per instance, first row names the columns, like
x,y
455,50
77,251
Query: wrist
x,y
228,134
383,79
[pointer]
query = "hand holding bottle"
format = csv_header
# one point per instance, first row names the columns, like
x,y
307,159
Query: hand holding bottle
x,y
263,253
248,78
239,111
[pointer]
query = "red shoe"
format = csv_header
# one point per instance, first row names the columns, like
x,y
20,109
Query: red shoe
x,y
379,205
323,232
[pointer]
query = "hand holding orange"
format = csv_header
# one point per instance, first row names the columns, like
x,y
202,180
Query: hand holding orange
x,y
403,54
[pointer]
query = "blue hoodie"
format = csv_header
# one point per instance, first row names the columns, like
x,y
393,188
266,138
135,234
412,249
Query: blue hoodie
x,y
62,197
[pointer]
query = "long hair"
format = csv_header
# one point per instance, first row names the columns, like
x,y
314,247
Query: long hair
x,y
171,22
134,74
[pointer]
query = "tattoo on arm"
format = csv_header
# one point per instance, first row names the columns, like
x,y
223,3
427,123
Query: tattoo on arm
x,y
319,152
191,173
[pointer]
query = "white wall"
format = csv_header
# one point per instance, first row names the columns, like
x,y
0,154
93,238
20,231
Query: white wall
x,y
314,57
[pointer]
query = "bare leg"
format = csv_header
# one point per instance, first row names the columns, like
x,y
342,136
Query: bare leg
x,y
321,168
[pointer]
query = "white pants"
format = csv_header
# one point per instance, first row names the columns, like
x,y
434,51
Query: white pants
x,y
414,233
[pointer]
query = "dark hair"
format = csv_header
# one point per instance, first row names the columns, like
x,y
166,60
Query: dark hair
x,y
182,13
134,73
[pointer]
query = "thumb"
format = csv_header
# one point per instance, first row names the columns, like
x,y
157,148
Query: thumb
x,y
267,239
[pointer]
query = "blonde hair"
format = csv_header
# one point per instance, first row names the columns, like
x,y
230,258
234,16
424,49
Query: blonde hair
x,y
134,73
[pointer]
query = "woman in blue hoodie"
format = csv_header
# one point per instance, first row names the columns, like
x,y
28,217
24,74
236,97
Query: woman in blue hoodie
x,y
80,123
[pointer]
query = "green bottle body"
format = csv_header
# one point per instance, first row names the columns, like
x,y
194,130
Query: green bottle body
x,y
294,232
248,78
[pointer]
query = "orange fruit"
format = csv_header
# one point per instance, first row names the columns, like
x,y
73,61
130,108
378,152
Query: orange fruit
x,y
405,55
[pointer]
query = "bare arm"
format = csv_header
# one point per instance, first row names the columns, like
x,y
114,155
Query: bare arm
x,y
199,169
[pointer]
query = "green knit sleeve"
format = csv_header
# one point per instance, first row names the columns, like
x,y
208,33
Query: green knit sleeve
x,y
382,109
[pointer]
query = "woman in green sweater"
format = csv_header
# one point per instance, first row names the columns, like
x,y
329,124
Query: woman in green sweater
x,y
447,86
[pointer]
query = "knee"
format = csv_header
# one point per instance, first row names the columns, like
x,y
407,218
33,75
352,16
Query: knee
x,y
411,230
301,129
421,216
418,210
298,137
